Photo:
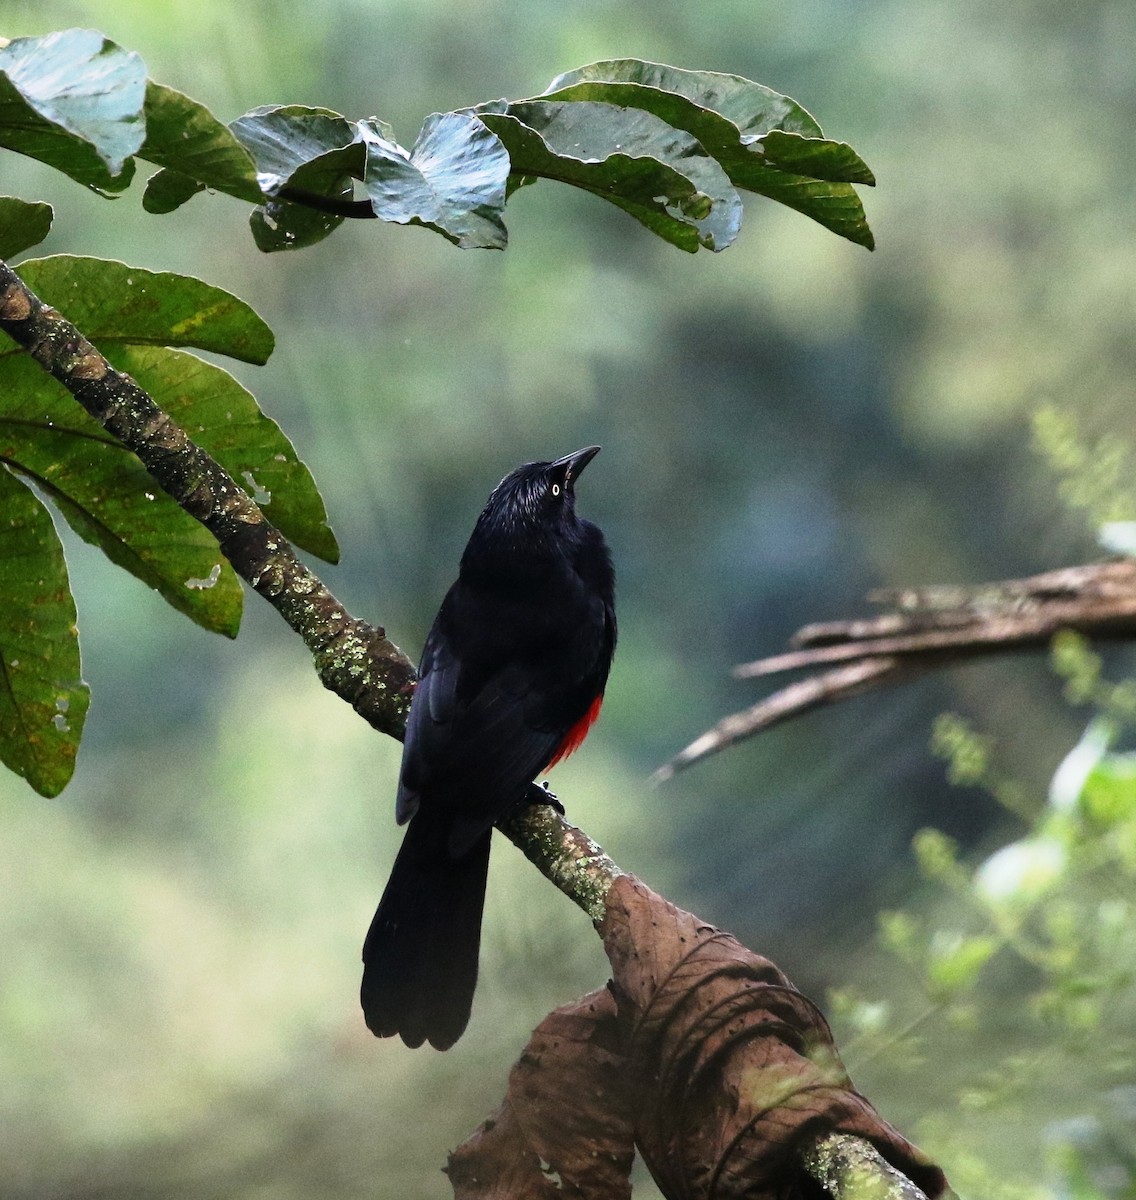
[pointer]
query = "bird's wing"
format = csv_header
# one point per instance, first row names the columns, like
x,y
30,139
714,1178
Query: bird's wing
x,y
475,757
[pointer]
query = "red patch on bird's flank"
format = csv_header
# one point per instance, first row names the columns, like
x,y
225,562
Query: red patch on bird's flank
x,y
577,733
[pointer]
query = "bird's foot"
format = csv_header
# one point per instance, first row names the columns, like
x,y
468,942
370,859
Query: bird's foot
x,y
541,793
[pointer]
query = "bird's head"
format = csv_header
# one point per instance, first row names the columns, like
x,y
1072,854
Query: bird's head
x,y
532,511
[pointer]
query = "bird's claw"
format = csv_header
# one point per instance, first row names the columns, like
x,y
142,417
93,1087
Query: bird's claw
x,y
541,793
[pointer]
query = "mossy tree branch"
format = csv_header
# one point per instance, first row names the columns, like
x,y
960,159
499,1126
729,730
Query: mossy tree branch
x,y
353,659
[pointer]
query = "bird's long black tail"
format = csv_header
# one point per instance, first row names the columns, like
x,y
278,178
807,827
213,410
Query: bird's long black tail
x,y
420,956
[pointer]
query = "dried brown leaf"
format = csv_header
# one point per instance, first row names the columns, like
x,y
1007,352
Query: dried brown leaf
x,y
735,1070
565,1126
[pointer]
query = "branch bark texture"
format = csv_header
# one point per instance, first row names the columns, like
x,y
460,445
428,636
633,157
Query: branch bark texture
x,y
353,659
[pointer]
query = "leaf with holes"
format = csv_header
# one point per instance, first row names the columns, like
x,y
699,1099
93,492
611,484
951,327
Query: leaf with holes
x,y
43,699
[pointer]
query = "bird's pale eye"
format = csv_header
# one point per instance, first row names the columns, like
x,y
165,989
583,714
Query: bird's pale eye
x,y
556,489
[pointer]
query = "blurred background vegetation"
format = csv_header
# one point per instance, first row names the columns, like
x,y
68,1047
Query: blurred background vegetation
x,y
785,426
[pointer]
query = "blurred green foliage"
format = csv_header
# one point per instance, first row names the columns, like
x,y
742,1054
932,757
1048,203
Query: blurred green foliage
x,y
1017,1010
784,426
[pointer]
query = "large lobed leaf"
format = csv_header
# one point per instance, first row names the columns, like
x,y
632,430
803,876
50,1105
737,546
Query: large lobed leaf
x,y
43,699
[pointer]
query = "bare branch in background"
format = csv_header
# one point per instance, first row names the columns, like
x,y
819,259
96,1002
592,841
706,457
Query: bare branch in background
x,y
928,628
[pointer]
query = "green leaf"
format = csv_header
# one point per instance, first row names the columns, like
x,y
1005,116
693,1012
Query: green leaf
x,y
74,100
224,419
283,138
111,302
751,108
955,961
101,488
23,223
120,307
43,699
817,158
453,181
765,142
901,934
937,855
1109,795
166,191
314,149
109,498
264,150
836,206
630,157
282,225
196,148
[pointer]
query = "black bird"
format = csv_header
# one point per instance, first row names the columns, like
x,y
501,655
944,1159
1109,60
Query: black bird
x,y
511,679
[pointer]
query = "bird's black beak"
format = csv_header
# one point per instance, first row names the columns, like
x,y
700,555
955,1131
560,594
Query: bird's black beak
x,y
572,464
